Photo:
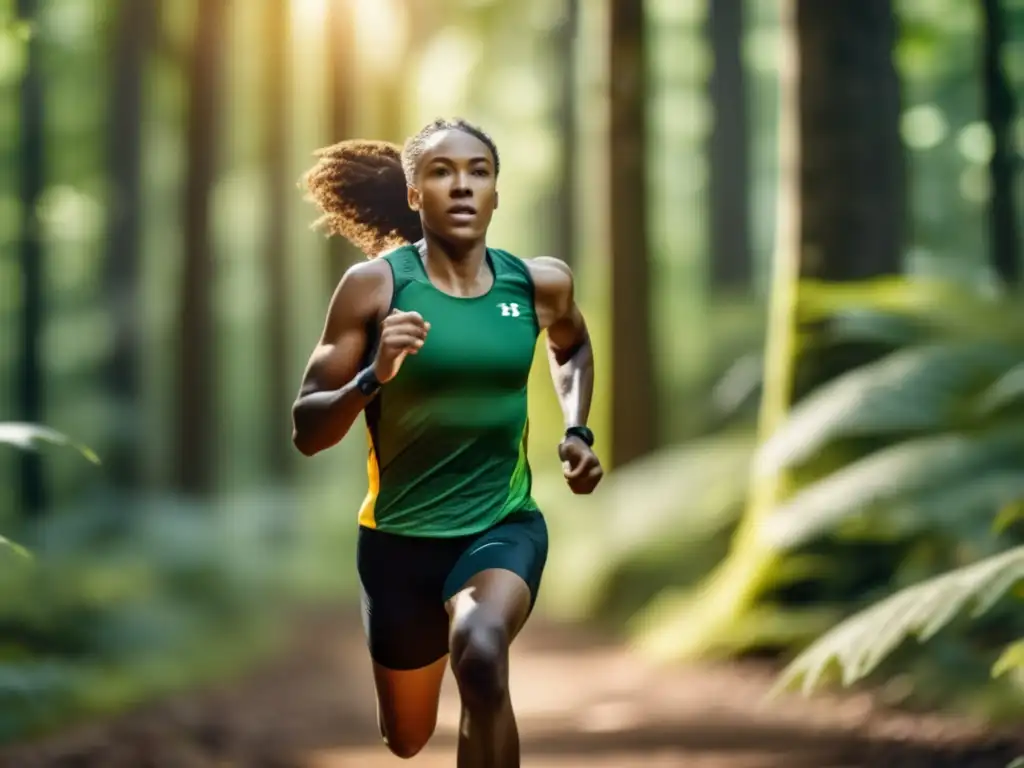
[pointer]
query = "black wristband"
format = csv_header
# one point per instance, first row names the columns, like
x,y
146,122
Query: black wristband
x,y
583,433
367,382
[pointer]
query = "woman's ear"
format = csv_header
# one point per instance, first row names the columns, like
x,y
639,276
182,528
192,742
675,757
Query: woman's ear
x,y
414,197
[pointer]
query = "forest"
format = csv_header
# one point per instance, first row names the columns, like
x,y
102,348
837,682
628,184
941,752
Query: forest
x,y
795,228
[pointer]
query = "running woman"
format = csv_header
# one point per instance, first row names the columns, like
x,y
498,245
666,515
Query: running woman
x,y
432,339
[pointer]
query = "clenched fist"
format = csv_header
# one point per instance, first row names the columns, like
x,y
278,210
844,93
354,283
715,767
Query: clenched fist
x,y
401,334
580,465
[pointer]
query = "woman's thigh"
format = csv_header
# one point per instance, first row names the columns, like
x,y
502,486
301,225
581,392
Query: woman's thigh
x,y
406,628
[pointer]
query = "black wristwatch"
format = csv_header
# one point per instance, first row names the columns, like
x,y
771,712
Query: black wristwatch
x,y
582,432
367,383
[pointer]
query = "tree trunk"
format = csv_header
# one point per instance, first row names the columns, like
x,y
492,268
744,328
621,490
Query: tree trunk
x,y
277,53
196,450
31,394
633,392
731,266
841,209
134,33
341,100
565,204
851,162
1000,112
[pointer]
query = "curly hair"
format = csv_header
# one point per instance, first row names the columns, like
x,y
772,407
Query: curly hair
x,y
360,187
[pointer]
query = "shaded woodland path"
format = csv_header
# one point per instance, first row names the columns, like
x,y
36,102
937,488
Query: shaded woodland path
x,y
582,702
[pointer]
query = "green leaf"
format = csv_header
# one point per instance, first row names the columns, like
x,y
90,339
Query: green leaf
x,y
18,29
30,436
860,643
1011,658
968,503
1009,389
16,548
1011,511
867,325
942,305
927,464
910,390
819,300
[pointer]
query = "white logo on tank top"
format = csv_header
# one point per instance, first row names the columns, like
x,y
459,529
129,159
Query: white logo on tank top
x,y
509,310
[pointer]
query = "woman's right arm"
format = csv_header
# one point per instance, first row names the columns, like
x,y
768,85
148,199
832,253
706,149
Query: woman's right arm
x,y
329,400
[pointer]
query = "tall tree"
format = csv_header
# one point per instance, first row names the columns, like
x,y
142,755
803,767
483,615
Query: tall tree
x,y
850,169
731,261
196,448
277,115
1001,113
134,32
32,151
565,45
841,218
341,96
633,392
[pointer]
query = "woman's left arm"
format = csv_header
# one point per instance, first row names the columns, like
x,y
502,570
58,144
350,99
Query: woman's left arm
x,y
572,368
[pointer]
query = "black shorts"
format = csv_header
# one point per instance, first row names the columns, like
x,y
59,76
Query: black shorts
x,y
407,580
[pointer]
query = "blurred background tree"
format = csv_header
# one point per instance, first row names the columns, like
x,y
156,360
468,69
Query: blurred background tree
x,y
795,231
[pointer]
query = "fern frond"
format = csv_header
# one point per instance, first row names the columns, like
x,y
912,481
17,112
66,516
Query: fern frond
x,y
1007,390
860,643
867,325
948,307
1012,658
819,300
908,391
29,436
969,505
925,464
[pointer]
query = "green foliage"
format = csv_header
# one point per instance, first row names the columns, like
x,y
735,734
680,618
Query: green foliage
x,y
913,390
659,522
1012,659
861,642
920,450
31,437
116,609
906,472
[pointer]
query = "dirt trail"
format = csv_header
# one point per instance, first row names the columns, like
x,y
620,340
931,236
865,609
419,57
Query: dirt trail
x,y
582,703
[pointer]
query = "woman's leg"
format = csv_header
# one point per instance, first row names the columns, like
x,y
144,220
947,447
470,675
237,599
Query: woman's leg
x,y
486,615
491,591
407,632
407,705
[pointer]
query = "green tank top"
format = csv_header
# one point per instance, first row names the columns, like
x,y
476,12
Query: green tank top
x,y
448,434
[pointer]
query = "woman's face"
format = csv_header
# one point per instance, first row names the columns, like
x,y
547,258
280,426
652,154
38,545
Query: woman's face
x,y
455,187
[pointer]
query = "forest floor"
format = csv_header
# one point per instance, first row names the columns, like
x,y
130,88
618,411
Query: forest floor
x,y
582,702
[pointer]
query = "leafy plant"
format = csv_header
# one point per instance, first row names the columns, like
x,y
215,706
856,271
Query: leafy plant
x,y
860,643
32,437
925,445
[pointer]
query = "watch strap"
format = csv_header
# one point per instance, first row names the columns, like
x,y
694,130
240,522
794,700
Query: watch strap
x,y
581,432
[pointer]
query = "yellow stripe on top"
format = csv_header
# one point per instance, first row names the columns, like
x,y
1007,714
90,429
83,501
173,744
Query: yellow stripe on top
x,y
366,516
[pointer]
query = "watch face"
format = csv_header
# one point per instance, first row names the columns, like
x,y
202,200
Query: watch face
x,y
367,385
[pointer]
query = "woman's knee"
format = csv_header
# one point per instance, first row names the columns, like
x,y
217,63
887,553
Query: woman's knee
x,y
406,746
480,660
405,739
407,706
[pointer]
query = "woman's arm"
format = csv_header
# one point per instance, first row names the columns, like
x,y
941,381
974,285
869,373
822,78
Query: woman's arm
x,y
329,399
572,367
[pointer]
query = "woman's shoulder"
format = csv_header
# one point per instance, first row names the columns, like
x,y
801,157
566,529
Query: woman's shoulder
x,y
544,267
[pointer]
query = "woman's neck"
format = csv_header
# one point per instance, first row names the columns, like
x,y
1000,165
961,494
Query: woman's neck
x,y
460,271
